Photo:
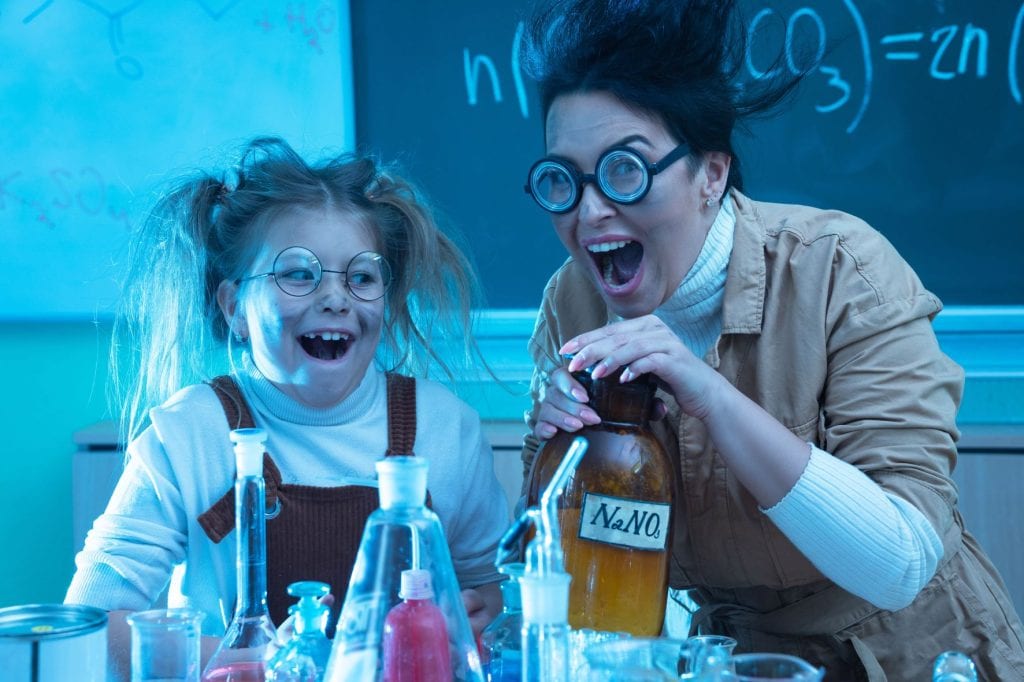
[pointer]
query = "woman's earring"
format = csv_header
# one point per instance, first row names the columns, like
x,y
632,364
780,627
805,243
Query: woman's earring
x,y
239,338
708,202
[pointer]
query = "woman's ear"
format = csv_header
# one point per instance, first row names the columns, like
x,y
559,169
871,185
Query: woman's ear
x,y
227,300
716,172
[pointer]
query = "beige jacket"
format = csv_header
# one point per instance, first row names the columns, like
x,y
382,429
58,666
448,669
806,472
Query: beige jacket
x,y
828,328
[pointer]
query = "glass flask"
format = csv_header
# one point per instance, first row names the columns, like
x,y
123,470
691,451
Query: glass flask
x,y
304,657
415,634
954,666
240,657
502,640
616,511
402,534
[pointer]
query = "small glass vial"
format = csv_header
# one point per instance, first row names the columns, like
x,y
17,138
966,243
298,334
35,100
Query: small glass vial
x,y
304,657
502,641
241,655
415,634
954,666
616,511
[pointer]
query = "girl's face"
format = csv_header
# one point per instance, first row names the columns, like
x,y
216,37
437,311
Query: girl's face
x,y
636,254
315,348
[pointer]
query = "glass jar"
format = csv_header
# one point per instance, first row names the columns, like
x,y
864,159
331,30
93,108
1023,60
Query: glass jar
x,y
616,510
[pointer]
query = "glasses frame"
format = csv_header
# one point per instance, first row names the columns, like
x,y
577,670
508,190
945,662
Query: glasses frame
x,y
596,178
385,271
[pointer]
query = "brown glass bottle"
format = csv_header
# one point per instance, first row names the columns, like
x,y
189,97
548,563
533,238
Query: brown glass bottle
x,y
616,511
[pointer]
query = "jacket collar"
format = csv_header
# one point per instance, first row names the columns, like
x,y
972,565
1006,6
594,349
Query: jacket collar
x,y
743,307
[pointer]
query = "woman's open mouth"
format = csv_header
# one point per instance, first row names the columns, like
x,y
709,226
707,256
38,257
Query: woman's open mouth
x,y
617,262
325,345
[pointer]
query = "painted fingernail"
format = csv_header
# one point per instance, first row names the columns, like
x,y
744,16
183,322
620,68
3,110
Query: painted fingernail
x,y
572,423
569,347
579,395
627,375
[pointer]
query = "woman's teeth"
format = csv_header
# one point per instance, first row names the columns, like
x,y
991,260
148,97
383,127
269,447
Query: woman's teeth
x,y
606,246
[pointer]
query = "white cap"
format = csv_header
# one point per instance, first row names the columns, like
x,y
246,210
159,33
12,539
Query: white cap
x,y
402,481
416,584
545,599
249,447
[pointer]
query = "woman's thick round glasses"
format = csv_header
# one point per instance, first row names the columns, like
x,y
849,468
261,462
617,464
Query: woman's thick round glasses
x,y
622,175
298,272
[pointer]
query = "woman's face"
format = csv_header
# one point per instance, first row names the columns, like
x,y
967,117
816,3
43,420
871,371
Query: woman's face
x,y
636,254
315,348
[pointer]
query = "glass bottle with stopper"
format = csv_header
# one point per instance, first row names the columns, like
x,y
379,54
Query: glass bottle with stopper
x,y
304,657
616,510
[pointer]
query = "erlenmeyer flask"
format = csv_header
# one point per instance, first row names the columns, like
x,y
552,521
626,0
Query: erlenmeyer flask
x,y
401,535
240,656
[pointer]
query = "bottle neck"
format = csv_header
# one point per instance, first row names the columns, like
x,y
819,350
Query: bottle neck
x,y
627,403
251,565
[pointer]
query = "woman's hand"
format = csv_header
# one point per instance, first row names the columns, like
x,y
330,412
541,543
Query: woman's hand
x,y
641,346
563,406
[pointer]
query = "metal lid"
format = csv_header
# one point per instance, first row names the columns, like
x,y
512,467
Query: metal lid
x,y
50,621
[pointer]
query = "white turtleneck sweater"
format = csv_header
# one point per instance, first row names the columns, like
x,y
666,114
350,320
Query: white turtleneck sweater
x,y
852,530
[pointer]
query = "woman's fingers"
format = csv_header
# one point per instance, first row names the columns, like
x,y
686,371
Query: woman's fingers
x,y
563,406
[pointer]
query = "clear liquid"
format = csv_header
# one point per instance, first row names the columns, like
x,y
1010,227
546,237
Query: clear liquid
x,y
237,672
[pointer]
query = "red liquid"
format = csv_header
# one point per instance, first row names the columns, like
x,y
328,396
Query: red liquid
x,y
416,643
237,672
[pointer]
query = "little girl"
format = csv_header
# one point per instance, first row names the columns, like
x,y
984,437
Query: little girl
x,y
331,279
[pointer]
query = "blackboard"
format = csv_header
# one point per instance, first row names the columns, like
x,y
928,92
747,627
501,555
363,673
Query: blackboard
x,y
103,103
914,122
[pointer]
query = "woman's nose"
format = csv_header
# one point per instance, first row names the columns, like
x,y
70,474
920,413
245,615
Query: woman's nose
x,y
594,205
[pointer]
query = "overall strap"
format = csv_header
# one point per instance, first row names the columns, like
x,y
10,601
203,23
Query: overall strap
x,y
401,414
219,520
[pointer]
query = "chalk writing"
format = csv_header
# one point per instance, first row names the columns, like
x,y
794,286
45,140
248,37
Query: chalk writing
x,y
950,51
471,73
323,21
65,192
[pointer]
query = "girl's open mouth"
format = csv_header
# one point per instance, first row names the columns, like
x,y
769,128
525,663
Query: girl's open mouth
x,y
325,345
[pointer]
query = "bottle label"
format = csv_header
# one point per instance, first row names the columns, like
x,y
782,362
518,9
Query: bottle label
x,y
625,522
362,621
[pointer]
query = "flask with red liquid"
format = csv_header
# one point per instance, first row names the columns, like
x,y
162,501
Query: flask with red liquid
x,y
415,634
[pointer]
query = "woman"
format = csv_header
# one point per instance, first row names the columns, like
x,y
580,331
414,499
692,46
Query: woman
x,y
809,406
325,276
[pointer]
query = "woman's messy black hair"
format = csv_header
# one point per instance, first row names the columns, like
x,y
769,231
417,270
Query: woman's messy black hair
x,y
678,60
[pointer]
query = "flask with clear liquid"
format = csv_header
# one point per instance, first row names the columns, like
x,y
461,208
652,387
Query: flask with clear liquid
x,y
616,510
402,534
240,657
304,657
501,641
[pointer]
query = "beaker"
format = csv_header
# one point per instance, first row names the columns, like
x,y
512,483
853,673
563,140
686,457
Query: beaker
x,y
165,645
755,667
644,659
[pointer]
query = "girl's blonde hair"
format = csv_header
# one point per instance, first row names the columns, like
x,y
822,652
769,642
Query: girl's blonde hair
x,y
207,230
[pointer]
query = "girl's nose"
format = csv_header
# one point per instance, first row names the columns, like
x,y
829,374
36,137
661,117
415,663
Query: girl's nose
x,y
333,293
